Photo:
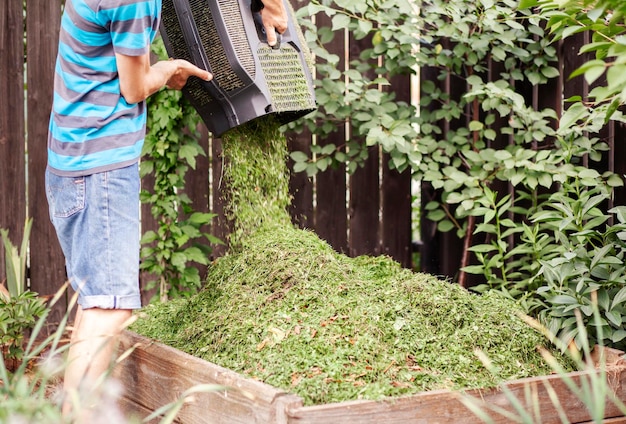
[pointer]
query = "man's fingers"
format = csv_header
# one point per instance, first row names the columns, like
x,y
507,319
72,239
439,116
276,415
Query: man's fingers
x,y
205,75
271,35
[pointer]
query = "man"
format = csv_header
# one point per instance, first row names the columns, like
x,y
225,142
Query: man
x,y
103,75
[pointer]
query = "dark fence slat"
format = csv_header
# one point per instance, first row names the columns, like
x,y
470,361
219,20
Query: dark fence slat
x,y
441,253
12,147
571,60
396,212
364,184
197,186
47,269
330,214
364,206
396,234
331,222
619,153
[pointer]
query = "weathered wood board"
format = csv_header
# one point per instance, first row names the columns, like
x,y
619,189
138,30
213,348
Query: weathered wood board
x,y
155,374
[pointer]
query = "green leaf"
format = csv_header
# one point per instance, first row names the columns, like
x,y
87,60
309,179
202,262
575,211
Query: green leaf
x,y
474,269
475,126
618,336
445,226
614,318
340,22
300,166
572,115
298,156
483,248
564,300
527,4
196,255
619,298
201,218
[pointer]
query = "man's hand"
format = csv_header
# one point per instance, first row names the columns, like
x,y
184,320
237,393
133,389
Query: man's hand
x,y
184,70
274,16
139,80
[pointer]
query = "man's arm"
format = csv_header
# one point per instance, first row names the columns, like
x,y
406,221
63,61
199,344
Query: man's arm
x,y
139,79
274,16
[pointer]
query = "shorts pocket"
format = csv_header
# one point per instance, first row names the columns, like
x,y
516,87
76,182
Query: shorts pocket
x,y
66,195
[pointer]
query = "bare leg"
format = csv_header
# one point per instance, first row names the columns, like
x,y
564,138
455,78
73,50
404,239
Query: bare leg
x,y
91,350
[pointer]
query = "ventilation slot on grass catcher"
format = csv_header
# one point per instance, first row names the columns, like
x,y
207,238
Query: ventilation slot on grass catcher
x,y
250,78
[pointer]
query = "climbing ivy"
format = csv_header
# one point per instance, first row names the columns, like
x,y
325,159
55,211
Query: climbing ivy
x,y
170,149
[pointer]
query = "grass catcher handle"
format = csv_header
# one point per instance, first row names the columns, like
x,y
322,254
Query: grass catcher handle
x,y
256,6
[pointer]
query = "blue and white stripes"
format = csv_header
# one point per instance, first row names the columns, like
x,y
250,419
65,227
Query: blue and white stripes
x,y
92,127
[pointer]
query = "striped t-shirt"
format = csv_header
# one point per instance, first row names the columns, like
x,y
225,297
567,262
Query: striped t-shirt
x,y
92,127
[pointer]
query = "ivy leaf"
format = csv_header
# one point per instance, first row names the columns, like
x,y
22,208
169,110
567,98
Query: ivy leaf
x,y
196,255
340,22
189,154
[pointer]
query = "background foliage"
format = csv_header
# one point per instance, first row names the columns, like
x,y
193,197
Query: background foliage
x,y
511,180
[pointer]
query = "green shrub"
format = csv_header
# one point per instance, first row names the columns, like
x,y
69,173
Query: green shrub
x,y
19,307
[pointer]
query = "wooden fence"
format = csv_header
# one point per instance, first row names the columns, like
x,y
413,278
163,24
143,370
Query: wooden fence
x,y
368,212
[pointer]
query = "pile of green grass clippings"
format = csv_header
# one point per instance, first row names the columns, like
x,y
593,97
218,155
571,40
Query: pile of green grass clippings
x,y
284,308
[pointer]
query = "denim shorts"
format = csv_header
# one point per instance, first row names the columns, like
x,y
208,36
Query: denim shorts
x,y
96,218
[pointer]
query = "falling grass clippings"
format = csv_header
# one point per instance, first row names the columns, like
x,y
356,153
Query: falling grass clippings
x,y
284,308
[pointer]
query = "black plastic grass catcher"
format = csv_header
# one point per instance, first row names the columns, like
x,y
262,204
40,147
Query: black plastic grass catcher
x,y
250,78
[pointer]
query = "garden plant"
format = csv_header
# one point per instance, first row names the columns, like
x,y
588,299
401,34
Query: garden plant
x,y
30,392
20,308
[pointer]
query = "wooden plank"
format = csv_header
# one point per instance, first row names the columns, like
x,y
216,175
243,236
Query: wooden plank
x,y
364,202
135,412
429,251
157,375
197,187
331,223
618,420
571,60
364,208
396,232
396,212
300,185
12,127
443,407
47,264
197,180
441,253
